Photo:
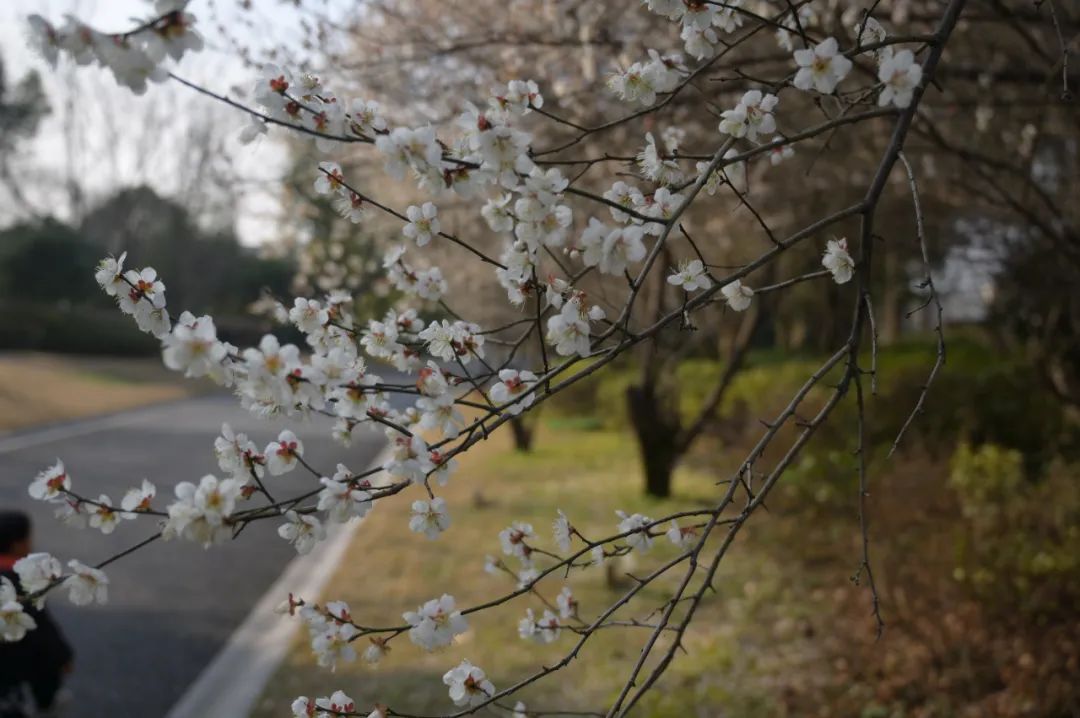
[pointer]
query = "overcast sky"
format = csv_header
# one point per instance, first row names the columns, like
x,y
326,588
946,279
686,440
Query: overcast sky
x,y
105,137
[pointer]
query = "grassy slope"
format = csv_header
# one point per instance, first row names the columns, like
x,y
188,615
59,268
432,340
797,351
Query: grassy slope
x,y
43,388
587,474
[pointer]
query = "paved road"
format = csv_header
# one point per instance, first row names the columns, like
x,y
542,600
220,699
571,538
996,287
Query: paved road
x,y
172,605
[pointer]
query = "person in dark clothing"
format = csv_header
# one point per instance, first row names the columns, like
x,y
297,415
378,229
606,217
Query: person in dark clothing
x,y
31,670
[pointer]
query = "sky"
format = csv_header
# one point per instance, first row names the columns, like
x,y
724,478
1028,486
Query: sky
x,y
103,137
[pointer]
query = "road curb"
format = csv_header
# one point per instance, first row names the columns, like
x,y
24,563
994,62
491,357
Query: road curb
x,y
230,685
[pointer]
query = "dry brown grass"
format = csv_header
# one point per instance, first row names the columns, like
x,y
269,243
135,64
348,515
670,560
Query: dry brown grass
x,y
39,389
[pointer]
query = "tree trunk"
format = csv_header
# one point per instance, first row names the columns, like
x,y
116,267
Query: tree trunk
x,y
523,434
657,432
891,309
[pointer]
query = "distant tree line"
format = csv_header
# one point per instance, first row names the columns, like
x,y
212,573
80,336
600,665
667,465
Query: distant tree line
x,y
45,285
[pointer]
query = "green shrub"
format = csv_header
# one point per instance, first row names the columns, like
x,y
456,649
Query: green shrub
x,y
985,478
72,330
979,396
579,399
1019,546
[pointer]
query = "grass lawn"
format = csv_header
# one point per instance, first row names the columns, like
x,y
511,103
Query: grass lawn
x,y
44,388
755,625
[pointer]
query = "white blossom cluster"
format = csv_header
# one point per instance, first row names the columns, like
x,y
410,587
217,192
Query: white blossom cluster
x,y
135,58
486,157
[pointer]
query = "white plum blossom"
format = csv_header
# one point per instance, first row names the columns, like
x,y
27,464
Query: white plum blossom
x,y
566,603
780,153
569,335
468,685
681,537
337,703
626,196
513,540
661,205
429,517
441,415
520,96
699,42
654,167
405,148
86,584
110,275
900,75
821,67
174,35
138,499
308,315
738,295
283,455
671,9
341,498
409,457
380,339
431,381
637,524
543,630
504,153
423,223
303,531
193,348
514,386
871,32
527,576
562,530
753,115
376,650
568,331
143,291
51,484
333,644
236,454
453,341
365,117
201,511
642,81
104,517
621,248
330,179
303,707
430,284
497,213
435,623
691,276
837,260
14,621
444,467
37,571
351,206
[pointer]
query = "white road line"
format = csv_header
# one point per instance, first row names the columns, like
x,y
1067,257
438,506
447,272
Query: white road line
x,y
232,682
68,431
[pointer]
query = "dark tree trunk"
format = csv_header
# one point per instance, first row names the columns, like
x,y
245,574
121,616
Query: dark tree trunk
x,y
523,434
656,429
